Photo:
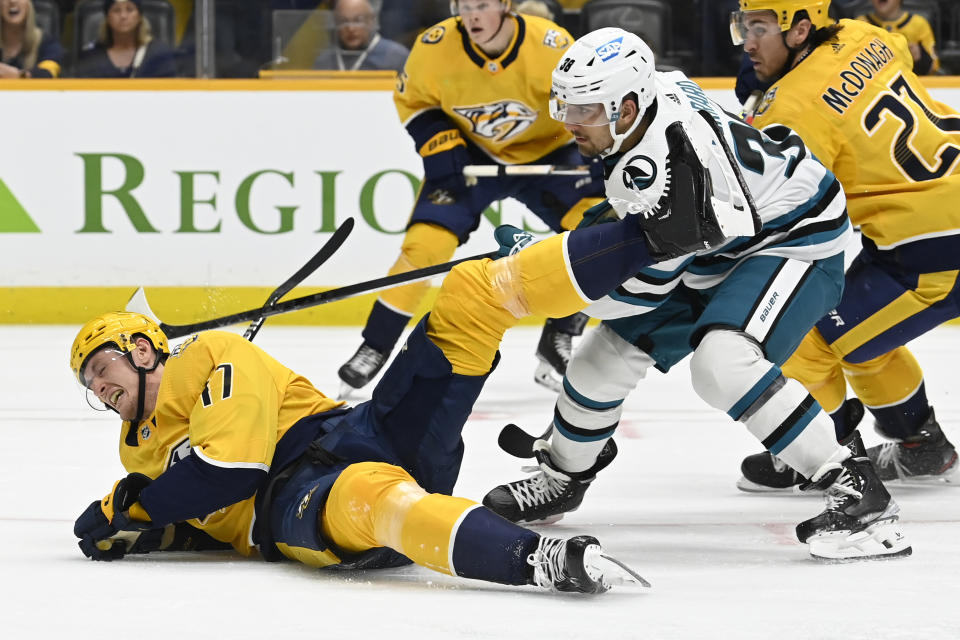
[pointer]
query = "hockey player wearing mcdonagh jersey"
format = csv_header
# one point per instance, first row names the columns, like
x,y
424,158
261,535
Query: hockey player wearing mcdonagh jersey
x,y
225,445
740,307
472,93
848,90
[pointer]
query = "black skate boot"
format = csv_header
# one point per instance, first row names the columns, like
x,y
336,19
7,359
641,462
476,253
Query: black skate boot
x,y
578,564
766,473
860,519
548,494
360,368
553,352
924,458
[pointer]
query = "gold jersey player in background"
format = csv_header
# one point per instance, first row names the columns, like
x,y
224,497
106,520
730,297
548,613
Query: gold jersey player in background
x,y
473,92
849,90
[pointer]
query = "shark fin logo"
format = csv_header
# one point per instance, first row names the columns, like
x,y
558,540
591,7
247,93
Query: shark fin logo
x,y
13,217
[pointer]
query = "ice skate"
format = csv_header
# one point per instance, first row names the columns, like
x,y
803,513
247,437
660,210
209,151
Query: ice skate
x,y
766,473
860,519
548,494
360,369
553,352
578,564
925,458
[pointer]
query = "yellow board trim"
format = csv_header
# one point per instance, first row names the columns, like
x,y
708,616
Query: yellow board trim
x,y
304,80
180,305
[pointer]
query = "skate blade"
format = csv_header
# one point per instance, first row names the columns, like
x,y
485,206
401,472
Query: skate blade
x,y
752,487
618,574
950,478
882,540
542,521
545,377
345,391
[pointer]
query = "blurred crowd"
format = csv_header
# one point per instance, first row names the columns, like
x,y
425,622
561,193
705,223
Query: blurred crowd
x,y
159,38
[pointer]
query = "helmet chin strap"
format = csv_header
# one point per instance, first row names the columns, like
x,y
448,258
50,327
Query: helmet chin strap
x,y
792,54
141,383
618,138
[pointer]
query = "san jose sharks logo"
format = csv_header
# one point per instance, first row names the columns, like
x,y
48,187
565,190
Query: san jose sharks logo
x,y
610,49
639,173
498,121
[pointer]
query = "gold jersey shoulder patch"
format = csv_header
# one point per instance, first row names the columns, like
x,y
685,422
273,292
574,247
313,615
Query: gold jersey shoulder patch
x,y
433,35
555,39
767,100
180,348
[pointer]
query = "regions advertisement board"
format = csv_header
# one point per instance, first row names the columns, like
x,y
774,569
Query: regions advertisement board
x,y
209,194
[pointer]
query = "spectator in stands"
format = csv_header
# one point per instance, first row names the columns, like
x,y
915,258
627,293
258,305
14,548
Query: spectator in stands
x,y
25,51
125,47
539,8
890,15
357,45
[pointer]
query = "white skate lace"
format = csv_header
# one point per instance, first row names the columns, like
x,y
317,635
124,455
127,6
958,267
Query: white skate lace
x,y
888,455
563,345
842,488
538,489
549,562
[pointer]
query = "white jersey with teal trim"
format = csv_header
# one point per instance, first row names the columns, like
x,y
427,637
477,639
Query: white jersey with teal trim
x,y
799,202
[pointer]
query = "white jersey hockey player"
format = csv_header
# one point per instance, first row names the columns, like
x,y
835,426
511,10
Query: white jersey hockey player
x,y
740,307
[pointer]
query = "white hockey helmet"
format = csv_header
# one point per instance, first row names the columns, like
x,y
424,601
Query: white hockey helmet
x,y
598,71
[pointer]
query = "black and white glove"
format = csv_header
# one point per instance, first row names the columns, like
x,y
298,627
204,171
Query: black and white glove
x,y
684,220
105,528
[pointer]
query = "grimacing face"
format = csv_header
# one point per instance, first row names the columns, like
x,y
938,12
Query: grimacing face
x,y
109,375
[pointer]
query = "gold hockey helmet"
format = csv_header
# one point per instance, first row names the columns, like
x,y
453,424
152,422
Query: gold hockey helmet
x,y
817,10
118,329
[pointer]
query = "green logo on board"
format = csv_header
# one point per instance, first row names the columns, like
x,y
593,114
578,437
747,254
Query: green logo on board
x,y
13,217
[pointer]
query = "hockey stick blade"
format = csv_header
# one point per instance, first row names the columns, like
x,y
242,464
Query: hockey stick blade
x,y
326,251
174,331
516,441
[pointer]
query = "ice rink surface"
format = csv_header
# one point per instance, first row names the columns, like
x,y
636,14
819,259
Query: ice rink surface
x,y
724,564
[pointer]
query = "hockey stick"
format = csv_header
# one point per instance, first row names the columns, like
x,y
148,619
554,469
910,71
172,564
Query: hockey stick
x,y
501,170
518,442
326,251
138,302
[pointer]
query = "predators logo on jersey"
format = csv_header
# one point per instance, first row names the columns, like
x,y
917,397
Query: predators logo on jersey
x,y
498,103
433,35
499,121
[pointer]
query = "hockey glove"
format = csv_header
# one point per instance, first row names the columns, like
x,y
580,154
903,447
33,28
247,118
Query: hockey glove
x,y
444,157
102,521
598,214
684,220
511,239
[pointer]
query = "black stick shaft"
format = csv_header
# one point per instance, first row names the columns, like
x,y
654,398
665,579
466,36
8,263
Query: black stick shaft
x,y
325,253
304,302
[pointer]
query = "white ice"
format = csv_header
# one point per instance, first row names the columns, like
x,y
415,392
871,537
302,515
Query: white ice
x,y
724,564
